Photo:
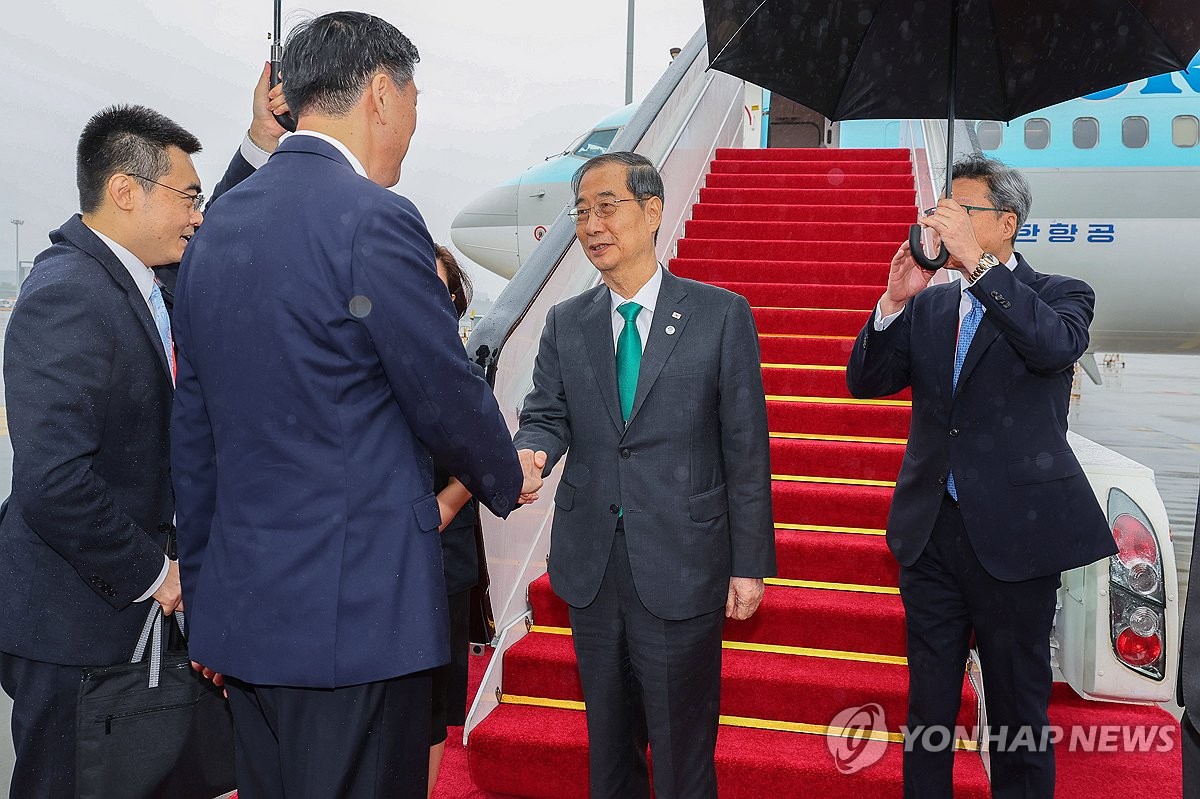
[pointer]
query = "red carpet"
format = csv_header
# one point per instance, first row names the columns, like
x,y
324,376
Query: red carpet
x,y
805,236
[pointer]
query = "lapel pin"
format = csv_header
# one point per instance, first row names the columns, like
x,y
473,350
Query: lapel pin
x,y
676,315
670,330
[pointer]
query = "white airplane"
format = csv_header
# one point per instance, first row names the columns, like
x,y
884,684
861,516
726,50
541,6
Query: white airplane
x,y
1116,186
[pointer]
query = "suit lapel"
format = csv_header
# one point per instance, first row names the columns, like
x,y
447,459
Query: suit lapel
x,y
943,333
988,331
596,325
661,343
82,237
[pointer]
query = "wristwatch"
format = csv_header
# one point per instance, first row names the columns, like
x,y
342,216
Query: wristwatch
x,y
986,262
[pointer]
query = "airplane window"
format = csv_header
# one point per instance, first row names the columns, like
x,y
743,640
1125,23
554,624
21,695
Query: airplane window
x,y
991,135
1185,131
1085,132
1135,132
597,143
1037,133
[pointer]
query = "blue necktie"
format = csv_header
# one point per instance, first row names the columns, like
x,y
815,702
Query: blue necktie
x,y
966,332
163,322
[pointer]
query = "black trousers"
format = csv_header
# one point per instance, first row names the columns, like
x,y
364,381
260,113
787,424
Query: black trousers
x,y
366,741
647,679
45,699
1190,741
948,594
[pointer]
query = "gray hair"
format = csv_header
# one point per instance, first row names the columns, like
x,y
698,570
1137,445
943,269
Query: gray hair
x,y
1007,187
641,178
328,61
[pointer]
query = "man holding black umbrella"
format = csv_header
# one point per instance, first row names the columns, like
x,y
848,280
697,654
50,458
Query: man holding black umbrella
x,y
990,505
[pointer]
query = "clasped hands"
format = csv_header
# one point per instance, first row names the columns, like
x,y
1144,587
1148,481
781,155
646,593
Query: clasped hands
x,y
952,229
532,464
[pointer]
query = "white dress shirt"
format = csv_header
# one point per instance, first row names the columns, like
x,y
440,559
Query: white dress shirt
x,y
143,278
646,297
343,149
964,303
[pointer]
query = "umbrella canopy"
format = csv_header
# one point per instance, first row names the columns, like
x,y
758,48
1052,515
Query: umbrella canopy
x,y
889,59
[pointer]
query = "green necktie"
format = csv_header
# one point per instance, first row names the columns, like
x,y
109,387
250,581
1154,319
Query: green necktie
x,y
629,357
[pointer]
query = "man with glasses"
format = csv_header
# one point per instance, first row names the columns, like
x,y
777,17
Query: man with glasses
x,y
88,375
651,386
990,504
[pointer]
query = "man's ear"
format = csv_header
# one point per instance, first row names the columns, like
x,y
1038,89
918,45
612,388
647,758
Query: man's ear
x,y
654,212
123,191
379,94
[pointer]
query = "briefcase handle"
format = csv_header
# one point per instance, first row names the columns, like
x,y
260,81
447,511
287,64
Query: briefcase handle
x,y
152,635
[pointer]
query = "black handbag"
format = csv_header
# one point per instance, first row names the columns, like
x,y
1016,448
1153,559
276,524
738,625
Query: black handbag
x,y
153,727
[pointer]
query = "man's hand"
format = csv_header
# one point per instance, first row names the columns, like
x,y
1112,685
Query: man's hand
x,y
745,594
951,225
170,594
905,280
532,464
264,130
209,674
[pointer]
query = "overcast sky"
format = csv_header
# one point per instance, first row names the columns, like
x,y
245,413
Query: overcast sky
x,y
503,85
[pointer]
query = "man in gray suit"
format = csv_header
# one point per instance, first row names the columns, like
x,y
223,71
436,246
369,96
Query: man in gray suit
x,y
662,525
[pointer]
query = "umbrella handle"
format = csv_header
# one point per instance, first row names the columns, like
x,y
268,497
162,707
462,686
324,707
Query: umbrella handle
x,y
286,121
918,251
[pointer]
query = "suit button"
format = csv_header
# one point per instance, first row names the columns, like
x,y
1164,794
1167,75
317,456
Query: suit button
x,y
625,453
614,508
953,432
941,481
165,527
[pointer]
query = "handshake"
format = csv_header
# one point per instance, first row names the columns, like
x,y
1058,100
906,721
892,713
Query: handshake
x,y
532,464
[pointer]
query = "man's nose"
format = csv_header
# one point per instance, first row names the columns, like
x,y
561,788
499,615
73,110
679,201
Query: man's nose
x,y
594,223
197,217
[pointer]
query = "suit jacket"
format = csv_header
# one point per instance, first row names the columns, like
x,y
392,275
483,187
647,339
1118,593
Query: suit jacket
x,y
1188,694
460,555
1028,508
691,468
84,531
89,394
319,365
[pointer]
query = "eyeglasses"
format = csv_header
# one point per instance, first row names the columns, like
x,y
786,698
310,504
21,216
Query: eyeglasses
x,y
197,199
602,210
969,209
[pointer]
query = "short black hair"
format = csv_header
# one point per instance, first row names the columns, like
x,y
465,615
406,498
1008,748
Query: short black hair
x,y
457,279
131,139
328,60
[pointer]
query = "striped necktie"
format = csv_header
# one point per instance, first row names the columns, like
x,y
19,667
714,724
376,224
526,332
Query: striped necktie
x,y
966,332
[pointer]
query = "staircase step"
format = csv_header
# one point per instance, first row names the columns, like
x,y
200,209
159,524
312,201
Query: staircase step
x,y
850,232
839,419
827,350
806,295
836,557
541,753
862,273
836,179
815,618
773,686
856,460
778,380
879,252
830,167
836,505
792,213
817,321
814,154
835,196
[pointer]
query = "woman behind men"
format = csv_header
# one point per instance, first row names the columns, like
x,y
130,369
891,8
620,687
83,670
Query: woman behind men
x,y
460,559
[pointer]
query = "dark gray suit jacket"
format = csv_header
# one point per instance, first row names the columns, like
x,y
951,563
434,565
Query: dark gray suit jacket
x,y
692,467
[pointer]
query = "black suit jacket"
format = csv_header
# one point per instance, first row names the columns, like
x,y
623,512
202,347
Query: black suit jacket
x,y
1028,508
89,395
460,556
89,399
1189,660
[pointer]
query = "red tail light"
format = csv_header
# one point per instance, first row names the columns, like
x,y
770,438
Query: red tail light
x,y
1134,540
1137,650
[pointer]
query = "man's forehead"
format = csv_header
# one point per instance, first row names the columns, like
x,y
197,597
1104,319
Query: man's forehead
x,y
603,182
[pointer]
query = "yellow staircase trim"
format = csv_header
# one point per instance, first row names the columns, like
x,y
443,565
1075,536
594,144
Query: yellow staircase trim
x,y
802,335
814,366
839,401
783,582
842,481
829,528
807,308
845,439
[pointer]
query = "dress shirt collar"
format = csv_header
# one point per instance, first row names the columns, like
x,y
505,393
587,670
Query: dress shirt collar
x,y
646,297
963,285
341,148
142,275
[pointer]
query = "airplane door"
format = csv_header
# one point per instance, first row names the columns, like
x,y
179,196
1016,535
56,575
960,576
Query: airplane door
x,y
539,202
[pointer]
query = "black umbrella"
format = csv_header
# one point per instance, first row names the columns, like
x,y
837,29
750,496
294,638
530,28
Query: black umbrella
x,y
925,59
286,121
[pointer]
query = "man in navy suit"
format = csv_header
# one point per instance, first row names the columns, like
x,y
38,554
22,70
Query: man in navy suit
x,y
319,369
87,372
990,504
